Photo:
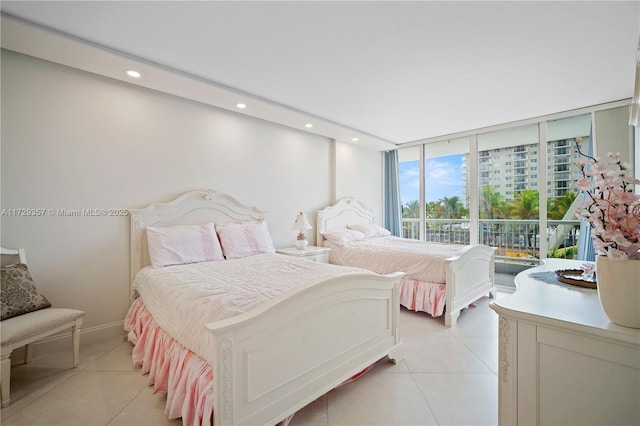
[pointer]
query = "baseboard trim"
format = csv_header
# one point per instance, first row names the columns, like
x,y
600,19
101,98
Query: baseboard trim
x,y
87,335
62,340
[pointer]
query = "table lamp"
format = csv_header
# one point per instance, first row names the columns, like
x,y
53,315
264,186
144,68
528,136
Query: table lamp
x,y
301,224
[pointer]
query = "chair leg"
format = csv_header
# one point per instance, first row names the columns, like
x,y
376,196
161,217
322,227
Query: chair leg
x,y
5,379
75,337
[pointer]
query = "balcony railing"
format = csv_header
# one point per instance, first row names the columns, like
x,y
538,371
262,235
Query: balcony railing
x,y
514,239
449,231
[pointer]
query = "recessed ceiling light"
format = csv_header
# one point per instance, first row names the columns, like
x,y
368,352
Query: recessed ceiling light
x,y
355,139
241,105
133,73
308,125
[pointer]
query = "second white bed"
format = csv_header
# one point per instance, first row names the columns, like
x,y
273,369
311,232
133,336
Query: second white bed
x,y
440,279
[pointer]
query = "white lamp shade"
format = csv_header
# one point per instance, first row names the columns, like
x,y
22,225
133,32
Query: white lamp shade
x,y
301,223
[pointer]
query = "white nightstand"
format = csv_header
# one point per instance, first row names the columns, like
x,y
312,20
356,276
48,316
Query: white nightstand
x,y
317,254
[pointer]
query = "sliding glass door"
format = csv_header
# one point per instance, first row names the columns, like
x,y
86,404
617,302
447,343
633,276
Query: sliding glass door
x,y
563,227
410,172
446,191
512,188
508,191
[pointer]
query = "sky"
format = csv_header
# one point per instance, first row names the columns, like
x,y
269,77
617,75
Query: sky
x,y
443,176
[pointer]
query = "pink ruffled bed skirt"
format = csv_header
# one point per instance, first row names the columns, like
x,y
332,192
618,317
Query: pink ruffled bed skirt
x,y
184,376
422,296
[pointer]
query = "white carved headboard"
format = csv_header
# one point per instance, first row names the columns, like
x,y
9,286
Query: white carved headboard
x,y
346,211
191,208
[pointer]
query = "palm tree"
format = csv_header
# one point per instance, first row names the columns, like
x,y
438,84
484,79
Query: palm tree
x,y
562,208
525,206
491,206
411,209
451,207
557,207
492,203
432,210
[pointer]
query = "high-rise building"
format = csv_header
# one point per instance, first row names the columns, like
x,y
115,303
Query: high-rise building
x,y
513,169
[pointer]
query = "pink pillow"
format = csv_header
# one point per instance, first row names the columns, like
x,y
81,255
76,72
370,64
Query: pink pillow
x,y
343,236
180,244
370,230
241,239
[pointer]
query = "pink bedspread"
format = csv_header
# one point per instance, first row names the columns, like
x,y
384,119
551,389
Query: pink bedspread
x,y
419,260
423,288
183,298
166,323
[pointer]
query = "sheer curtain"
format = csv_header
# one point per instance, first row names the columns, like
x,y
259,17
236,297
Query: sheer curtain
x,y
392,213
585,245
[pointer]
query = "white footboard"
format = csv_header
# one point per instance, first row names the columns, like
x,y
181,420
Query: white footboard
x,y
271,362
469,277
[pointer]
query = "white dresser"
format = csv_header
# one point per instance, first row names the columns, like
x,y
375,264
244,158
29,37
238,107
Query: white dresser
x,y
561,361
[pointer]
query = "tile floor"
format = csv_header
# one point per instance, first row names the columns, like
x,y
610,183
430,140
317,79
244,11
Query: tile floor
x,y
448,377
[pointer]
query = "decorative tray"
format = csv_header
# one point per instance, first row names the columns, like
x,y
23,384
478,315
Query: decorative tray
x,y
574,277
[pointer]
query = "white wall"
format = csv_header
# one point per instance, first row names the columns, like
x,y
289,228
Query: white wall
x,y
358,171
613,133
74,140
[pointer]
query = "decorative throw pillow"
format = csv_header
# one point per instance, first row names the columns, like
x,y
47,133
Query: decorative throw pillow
x,y
241,239
181,244
371,230
343,236
19,294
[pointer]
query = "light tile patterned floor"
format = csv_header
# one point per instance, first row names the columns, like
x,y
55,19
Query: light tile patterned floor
x,y
448,377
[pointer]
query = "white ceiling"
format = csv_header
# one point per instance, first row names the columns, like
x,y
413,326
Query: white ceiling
x,y
384,71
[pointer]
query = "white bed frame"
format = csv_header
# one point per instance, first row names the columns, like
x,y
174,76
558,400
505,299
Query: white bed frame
x,y
272,361
469,275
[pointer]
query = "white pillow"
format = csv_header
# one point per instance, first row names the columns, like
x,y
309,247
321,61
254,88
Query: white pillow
x,y
243,239
180,244
370,230
343,236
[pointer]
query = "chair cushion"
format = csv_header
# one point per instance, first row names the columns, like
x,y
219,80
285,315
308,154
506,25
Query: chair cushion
x,y
19,293
23,326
